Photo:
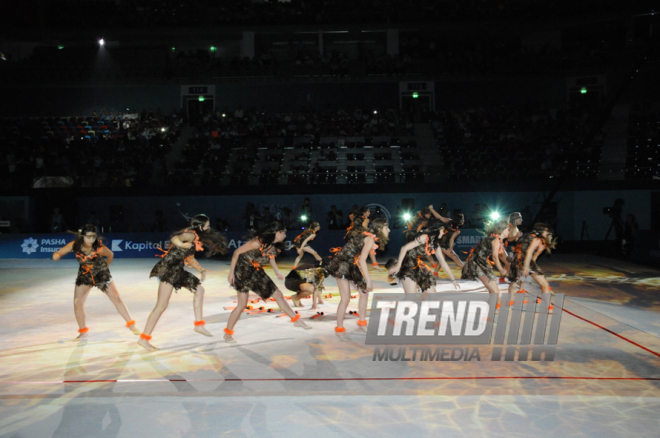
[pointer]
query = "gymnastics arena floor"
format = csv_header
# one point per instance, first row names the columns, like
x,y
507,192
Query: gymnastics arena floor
x,y
278,380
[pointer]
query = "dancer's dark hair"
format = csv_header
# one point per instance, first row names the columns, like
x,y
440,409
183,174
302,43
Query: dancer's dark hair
x,y
80,238
266,235
214,242
538,229
376,227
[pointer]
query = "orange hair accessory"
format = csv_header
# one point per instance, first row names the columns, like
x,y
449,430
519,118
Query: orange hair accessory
x,y
145,337
295,318
201,322
362,323
229,332
340,329
83,330
130,323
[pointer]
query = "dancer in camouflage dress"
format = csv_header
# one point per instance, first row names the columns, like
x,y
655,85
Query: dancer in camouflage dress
x,y
478,264
410,268
94,259
247,274
349,266
172,275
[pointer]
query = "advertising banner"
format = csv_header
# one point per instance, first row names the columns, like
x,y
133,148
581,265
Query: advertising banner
x,y
148,245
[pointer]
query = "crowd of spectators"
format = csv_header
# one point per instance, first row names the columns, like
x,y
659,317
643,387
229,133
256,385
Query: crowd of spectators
x,y
227,142
518,144
101,150
248,146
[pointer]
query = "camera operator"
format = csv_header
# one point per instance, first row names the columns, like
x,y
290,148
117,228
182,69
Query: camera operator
x,y
616,214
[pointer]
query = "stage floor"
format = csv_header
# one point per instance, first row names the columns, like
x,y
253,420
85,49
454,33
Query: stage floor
x,y
279,380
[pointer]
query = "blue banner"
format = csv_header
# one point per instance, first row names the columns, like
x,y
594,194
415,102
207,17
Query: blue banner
x,y
147,245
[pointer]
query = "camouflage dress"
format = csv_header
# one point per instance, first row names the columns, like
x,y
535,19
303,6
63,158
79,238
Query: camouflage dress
x,y
415,225
413,265
93,270
446,238
518,257
345,263
249,274
171,269
479,261
305,273
298,241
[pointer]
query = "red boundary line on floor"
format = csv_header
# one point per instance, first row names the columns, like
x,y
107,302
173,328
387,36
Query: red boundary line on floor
x,y
615,334
342,379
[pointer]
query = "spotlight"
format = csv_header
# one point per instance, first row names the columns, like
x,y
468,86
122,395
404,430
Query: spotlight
x,y
162,129
201,98
303,217
406,216
101,42
494,215
375,112
224,115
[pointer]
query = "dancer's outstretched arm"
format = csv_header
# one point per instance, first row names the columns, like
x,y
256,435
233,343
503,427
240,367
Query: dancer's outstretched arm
x,y
437,215
63,251
496,246
404,250
273,263
533,247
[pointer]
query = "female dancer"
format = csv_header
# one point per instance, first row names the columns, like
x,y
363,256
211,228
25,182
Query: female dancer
x,y
93,271
247,274
301,241
360,216
528,249
410,267
420,221
508,257
477,264
452,230
349,265
306,280
172,275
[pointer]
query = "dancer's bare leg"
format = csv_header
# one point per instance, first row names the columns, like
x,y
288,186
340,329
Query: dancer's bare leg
x,y
492,287
80,294
301,254
543,282
363,299
452,255
309,250
409,286
113,294
287,309
241,304
164,295
198,307
345,298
